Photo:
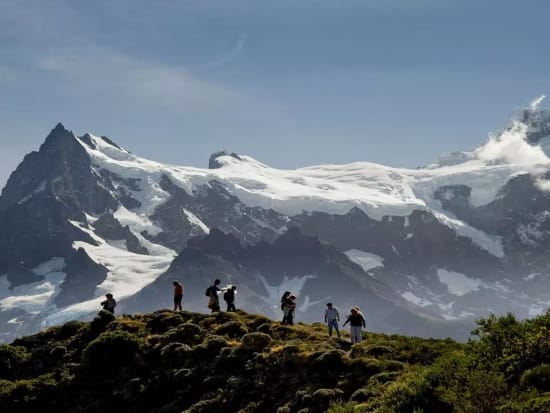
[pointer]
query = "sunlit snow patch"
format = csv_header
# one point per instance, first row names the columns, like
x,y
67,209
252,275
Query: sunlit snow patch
x,y
37,296
366,260
196,221
411,298
294,285
457,283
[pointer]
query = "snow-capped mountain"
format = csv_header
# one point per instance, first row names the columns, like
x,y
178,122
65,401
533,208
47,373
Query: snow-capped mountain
x,y
424,250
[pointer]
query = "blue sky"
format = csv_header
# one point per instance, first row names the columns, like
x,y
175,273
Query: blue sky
x,y
291,83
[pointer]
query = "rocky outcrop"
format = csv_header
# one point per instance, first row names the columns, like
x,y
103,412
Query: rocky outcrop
x,y
213,162
83,275
109,228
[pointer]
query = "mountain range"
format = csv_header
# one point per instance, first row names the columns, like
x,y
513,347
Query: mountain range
x,y
422,251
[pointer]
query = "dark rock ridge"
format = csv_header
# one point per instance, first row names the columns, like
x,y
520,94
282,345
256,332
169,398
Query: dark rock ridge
x,y
538,124
215,207
213,162
18,275
83,275
108,227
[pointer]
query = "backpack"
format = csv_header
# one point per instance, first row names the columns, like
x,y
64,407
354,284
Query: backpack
x,y
207,293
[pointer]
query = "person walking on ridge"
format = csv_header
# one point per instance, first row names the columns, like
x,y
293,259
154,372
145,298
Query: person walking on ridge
x,y
288,305
356,322
109,304
332,318
178,295
212,294
229,297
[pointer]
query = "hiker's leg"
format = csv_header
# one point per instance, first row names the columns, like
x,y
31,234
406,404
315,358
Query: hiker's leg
x,y
336,328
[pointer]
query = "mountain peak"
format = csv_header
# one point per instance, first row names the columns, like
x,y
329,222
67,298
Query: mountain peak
x,y
213,162
59,135
536,119
59,127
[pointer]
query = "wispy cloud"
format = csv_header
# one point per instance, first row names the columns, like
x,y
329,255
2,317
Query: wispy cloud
x,y
227,56
107,73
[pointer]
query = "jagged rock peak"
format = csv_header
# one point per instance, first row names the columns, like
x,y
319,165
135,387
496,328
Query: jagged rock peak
x,y
58,136
213,162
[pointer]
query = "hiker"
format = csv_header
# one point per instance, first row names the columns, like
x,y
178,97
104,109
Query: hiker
x,y
288,309
332,318
284,302
229,297
356,322
178,295
109,304
212,293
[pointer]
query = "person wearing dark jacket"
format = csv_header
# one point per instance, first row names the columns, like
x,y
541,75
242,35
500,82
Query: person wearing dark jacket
x,y
288,305
356,322
229,297
212,293
109,304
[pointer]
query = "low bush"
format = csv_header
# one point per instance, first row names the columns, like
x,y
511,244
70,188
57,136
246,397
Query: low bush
x,y
233,329
11,360
110,352
256,341
537,377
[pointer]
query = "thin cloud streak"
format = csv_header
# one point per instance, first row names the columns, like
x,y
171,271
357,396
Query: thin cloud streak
x,y
110,74
227,57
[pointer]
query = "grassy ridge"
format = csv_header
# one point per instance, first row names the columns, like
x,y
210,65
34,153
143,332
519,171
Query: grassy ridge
x,y
239,362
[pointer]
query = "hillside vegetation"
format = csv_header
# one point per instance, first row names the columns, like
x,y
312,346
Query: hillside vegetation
x,y
239,362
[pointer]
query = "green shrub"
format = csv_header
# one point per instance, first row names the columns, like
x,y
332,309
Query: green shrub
x,y
537,377
233,329
411,394
363,368
256,341
25,392
175,354
163,321
187,333
258,320
378,350
328,363
534,405
341,407
110,352
321,398
205,406
11,359
360,395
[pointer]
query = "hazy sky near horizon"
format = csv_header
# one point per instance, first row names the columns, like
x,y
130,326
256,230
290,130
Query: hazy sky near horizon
x,y
291,83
